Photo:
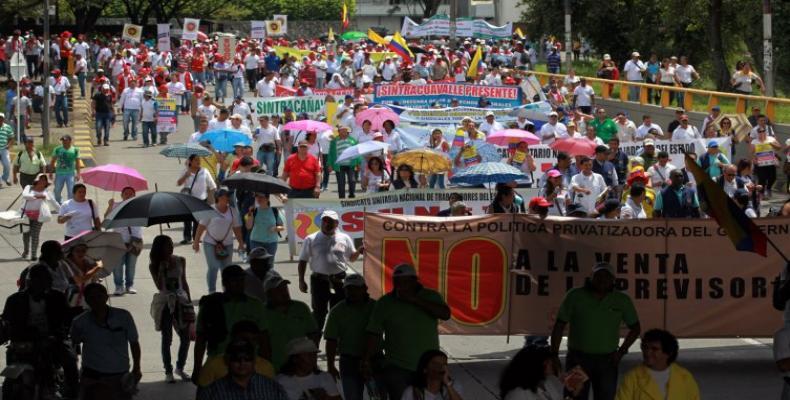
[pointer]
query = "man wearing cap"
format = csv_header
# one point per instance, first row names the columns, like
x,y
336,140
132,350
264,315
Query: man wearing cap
x,y
595,313
29,164
329,253
634,72
676,200
219,312
59,87
242,380
604,167
490,125
261,262
130,102
553,129
65,163
102,112
715,112
659,172
236,124
408,317
345,335
713,161
149,112
287,319
685,131
303,172
216,367
648,153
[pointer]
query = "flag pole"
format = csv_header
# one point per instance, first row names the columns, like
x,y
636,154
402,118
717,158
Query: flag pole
x,y
771,242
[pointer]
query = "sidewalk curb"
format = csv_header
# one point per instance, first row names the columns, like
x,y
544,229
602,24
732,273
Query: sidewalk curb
x,y
81,129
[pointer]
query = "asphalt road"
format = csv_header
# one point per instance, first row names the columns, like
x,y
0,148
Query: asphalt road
x,y
739,368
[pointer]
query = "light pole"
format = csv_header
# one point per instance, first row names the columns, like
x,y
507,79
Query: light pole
x,y
768,49
45,77
568,44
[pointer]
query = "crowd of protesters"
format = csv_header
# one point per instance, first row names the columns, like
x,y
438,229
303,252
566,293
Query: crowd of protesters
x,y
251,339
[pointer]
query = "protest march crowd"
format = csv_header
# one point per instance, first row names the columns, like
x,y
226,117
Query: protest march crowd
x,y
376,114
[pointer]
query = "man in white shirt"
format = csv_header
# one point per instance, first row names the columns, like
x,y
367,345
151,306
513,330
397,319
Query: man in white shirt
x,y
320,71
148,114
659,172
241,107
207,109
329,254
643,130
584,97
389,69
626,129
251,68
59,88
267,144
493,78
685,130
266,86
634,72
195,138
237,125
553,129
490,125
221,122
130,103
586,186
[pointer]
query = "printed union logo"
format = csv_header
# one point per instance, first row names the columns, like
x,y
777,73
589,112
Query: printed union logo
x,y
132,31
191,26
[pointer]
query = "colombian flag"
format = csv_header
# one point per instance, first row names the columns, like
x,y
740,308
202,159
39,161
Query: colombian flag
x,y
743,232
472,71
376,38
344,16
399,46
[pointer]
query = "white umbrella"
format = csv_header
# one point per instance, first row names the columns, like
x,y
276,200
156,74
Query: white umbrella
x,y
105,246
362,149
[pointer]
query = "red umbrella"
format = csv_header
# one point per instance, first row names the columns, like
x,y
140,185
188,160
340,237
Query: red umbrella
x,y
575,146
377,116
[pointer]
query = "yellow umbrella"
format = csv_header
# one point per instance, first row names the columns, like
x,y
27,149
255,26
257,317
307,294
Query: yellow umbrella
x,y
424,161
740,124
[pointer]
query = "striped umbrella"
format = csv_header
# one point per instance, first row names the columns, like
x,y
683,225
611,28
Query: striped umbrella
x,y
487,173
183,150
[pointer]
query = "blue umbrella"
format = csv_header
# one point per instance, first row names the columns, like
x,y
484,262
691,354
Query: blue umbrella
x,y
486,173
181,150
224,139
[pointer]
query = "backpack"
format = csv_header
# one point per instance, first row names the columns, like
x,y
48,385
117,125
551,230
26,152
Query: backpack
x,y
705,161
19,158
277,219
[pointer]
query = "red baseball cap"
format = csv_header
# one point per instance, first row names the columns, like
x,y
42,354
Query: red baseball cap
x,y
539,202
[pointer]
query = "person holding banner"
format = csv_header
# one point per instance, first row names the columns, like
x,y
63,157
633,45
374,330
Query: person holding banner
x,y
659,376
763,150
303,172
439,145
407,316
595,312
555,193
329,254
375,178
521,159
587,186
676,200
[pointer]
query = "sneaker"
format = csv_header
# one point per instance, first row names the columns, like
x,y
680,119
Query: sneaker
x,y
183,375
119,291
185,241
131,290
169,378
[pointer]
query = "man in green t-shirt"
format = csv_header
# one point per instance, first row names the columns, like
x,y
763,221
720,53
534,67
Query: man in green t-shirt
x,y
6,143
595,312
219,312
285,319
407,317
345,335
605,127
65,162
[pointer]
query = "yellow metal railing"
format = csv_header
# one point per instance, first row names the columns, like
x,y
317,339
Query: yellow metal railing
x,y
608,87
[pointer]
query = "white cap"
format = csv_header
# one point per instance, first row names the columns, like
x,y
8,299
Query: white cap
x,y
301,345
635,54
330,214
490,114
607,57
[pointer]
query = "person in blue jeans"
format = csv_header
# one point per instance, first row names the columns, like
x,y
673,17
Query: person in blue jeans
x,y
65,162
264,223
123,274
219,233
101,105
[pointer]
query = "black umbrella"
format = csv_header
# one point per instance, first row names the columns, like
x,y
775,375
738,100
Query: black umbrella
x,y
159,208
257,182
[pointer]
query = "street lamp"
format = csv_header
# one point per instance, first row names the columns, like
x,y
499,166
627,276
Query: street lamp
x,y
18,71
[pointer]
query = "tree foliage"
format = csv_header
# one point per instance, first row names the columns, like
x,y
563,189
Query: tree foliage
x,y
712,33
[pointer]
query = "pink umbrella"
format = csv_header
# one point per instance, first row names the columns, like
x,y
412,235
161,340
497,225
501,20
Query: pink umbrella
x,y
509,136
575,146
114,177
377,116
307,125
